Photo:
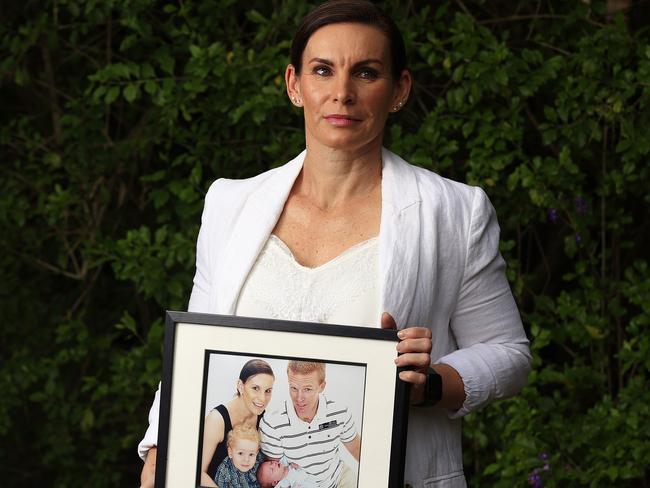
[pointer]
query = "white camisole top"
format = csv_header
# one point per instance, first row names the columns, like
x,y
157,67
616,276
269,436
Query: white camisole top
x,y
344,290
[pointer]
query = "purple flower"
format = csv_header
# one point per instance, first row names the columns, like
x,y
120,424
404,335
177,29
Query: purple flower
x,y
543,456
535,480
581,205
552,215
578,238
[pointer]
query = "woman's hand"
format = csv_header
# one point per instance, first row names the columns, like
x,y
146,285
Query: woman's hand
x,y
415,353
414,348
148,474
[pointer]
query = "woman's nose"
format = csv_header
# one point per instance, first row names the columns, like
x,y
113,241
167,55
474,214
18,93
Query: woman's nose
x,y
343,90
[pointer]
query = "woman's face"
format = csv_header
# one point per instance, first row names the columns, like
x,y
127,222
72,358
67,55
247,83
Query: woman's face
x,y
256,392
346,87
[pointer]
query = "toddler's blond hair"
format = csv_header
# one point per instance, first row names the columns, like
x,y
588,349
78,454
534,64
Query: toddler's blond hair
x,y
242,431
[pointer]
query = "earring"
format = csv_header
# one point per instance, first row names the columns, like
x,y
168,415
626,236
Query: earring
x,y
398,106
296,101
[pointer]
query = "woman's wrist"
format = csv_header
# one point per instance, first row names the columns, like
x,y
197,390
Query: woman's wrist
x,y
453,388
443,387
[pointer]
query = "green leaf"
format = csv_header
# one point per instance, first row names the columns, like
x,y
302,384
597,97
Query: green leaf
x,y
254,16
111,94
130,92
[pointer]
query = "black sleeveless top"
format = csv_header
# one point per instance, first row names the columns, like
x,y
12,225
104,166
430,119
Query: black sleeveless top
x,y
221,452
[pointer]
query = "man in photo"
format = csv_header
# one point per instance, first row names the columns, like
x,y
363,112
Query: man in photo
x,y
310,429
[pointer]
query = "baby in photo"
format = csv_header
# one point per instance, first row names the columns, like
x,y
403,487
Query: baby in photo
x,y
282,474
239,469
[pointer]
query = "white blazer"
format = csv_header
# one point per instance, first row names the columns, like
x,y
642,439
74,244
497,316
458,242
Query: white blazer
x,y
440,268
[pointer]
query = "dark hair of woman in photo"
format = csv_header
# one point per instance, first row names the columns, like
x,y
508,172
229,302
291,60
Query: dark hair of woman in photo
x,y
253,367
348,232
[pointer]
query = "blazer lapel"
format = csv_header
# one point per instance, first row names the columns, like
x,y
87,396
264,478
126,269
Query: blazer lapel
x,y
399,238
255,223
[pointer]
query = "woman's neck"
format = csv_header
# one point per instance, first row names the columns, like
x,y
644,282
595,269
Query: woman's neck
x,y
331,178
239,413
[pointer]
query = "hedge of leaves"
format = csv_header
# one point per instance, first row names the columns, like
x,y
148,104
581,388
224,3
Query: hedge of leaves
x,y
116,116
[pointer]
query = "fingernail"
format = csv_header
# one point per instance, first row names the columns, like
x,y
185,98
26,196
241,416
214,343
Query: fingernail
x,y
400,334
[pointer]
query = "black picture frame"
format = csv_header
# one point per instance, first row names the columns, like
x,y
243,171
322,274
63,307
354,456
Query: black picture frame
x,y
191,339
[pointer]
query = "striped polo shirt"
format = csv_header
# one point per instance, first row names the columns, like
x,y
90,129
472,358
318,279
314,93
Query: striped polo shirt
x,y
314,446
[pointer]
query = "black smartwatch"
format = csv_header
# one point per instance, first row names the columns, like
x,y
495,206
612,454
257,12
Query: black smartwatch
x,y
432,389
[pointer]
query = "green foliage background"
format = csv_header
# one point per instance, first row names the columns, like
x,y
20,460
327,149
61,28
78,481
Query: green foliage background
x,y
116,116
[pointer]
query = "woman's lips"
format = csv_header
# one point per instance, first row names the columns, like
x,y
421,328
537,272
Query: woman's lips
x,y
341,120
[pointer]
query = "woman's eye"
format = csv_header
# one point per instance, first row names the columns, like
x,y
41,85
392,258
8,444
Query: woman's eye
x,y
367,74
322,70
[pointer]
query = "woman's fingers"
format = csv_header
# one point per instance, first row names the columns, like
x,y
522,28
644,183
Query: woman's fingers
x,y
414,348
387,321
414,345
414,333
416,361
413,377
414,339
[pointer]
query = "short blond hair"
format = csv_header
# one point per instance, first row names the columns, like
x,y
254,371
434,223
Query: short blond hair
x,y
242,431
306,367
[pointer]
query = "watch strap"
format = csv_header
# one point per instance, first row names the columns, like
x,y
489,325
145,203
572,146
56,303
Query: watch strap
x,y
432,389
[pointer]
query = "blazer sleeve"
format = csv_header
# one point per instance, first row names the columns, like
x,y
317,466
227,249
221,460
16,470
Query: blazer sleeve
x,y
150,438
200,297
199,302
493,358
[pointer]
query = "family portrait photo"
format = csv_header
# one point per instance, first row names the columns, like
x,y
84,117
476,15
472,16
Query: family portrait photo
x,y
271,421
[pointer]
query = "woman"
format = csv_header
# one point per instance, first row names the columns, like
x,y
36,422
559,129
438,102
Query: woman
x,y
254,388
348,232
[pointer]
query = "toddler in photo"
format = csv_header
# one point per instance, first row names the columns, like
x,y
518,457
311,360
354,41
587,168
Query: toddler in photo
x,y
282,474
239,469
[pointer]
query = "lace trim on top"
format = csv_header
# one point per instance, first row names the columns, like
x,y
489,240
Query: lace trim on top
x,y
344,290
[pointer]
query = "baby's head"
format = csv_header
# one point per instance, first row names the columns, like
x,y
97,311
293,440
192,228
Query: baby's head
x,y
270,473
243,445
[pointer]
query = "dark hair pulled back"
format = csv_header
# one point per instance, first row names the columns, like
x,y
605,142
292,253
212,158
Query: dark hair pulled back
x,y
253,367
350,11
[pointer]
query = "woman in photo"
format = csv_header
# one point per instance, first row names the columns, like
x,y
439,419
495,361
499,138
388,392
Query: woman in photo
x,y
350,233
254,389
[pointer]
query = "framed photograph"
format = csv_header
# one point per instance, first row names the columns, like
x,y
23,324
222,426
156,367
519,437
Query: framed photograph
x,y
247,399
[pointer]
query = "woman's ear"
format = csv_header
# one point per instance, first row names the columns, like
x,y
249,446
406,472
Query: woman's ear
x,y
402,90
240,387
292,81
